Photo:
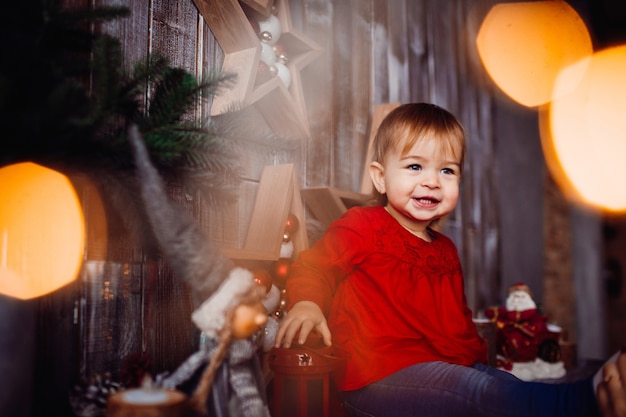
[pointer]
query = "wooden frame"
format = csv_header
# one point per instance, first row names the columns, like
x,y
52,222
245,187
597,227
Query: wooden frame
x,y
263,7
278,196
241,47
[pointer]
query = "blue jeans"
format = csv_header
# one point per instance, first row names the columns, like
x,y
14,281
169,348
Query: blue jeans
x,y
435,389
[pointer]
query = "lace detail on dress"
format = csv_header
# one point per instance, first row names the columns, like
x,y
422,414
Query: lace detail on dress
x,y
436,257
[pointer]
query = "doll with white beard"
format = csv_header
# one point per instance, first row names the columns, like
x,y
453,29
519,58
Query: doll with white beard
x,y
224,378
519,325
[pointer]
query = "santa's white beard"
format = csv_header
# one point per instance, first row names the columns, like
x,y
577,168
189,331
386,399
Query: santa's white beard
x,y
519,301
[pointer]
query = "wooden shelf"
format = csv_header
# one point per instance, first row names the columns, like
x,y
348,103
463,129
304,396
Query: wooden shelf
x,y
328,204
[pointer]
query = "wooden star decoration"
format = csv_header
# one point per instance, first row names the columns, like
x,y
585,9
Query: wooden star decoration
x,y
284,109
240,45
263,7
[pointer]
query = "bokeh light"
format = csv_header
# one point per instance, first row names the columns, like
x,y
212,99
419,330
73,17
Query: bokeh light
x,y
583,133
524,45
42,231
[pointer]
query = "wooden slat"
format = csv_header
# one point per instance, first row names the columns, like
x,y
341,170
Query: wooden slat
x,y
355,145
112,315
240,45
351,67
418,54
279,109
380,112
135,42
398,45
277,197
302,51
318,88
380,52
174,32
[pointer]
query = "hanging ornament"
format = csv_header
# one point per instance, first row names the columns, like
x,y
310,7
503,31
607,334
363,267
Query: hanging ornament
x,y
281,270
291,224
263,278
272,300
283,73
283,300
282,307
270,30
280,54
264,73
267,54
286,248
273,71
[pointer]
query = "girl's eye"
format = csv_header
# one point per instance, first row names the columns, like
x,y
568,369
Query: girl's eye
x,y
448,171
415,167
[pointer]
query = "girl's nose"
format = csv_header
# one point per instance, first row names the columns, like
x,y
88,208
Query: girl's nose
x,y
430,180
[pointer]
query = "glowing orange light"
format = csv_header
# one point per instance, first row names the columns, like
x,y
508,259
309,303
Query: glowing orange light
x,y
41,231
524,45
584,132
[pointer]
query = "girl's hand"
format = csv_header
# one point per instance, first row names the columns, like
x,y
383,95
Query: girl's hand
x,y
303,317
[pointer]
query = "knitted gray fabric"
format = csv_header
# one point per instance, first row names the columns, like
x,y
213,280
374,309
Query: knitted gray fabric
x,y
199,262
188,368
243,381
187,247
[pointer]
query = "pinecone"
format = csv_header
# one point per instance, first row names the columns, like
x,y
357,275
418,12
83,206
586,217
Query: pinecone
x,y
90,398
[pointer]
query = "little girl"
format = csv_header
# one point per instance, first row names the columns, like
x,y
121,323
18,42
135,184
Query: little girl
x,y
389,288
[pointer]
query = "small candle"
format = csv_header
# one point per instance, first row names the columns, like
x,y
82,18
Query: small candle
x,y
145,396
147,402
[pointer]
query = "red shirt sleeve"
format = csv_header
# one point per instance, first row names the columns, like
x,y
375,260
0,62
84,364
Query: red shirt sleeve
x,y
317,272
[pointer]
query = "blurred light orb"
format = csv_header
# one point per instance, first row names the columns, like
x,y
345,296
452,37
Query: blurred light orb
x,y
524,45
42,231
584,132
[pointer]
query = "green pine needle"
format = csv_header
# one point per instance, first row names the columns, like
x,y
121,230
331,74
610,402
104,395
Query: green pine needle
x,y
67,97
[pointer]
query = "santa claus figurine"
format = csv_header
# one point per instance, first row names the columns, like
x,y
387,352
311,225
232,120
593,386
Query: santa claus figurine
x,y
520,328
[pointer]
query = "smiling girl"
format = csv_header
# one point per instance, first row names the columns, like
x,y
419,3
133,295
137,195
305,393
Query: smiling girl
x,y
389,289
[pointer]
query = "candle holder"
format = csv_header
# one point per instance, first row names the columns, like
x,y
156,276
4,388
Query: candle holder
x,y
302,379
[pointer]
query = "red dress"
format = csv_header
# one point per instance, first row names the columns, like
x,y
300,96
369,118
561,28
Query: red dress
x,y
392,299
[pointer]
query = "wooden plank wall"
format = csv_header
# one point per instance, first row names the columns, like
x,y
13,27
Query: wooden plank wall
x,y
402,51
374,51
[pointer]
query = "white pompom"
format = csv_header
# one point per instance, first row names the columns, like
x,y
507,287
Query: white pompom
x,y
286,250
272,299
267,54
283,73
270,30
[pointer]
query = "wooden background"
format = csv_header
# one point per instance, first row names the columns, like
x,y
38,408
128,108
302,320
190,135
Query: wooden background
x,y
372,52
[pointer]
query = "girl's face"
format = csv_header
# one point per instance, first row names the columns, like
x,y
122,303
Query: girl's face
x,y
421,185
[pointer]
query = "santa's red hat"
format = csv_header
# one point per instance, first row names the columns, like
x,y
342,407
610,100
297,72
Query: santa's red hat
x,y
520,286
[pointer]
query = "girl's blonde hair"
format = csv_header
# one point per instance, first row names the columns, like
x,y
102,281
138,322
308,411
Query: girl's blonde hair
x,y
410,123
